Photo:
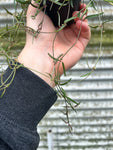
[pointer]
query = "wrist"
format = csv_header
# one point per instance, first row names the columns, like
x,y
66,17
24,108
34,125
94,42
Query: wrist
x,y
39,66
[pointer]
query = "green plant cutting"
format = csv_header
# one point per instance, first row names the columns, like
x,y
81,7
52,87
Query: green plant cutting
x,y
60,12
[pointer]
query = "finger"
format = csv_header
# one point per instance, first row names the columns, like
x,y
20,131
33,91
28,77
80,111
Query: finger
x,y
82,7
34,3
79,16
32,9
84,29
76,15
34,17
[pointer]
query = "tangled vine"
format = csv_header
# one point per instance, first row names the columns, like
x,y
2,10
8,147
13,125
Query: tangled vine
x,y
9,37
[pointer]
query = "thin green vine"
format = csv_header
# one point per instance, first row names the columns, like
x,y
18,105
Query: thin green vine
x,y
11,33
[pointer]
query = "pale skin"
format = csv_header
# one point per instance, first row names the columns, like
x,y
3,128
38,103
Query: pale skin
x,y
35,53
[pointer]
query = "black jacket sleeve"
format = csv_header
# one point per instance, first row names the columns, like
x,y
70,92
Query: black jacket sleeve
x,y
25,102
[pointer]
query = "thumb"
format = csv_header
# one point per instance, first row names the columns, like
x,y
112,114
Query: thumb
x,y
34,17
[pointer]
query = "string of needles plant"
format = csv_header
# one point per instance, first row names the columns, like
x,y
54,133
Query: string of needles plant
x,y
9,40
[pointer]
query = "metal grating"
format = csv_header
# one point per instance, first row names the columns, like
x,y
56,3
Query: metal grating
x,y
93,122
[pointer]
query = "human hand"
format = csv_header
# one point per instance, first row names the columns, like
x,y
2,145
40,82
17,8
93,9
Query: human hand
x,y
35,53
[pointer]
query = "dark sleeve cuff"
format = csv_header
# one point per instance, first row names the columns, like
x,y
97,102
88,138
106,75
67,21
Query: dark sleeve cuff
x,y
27,99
